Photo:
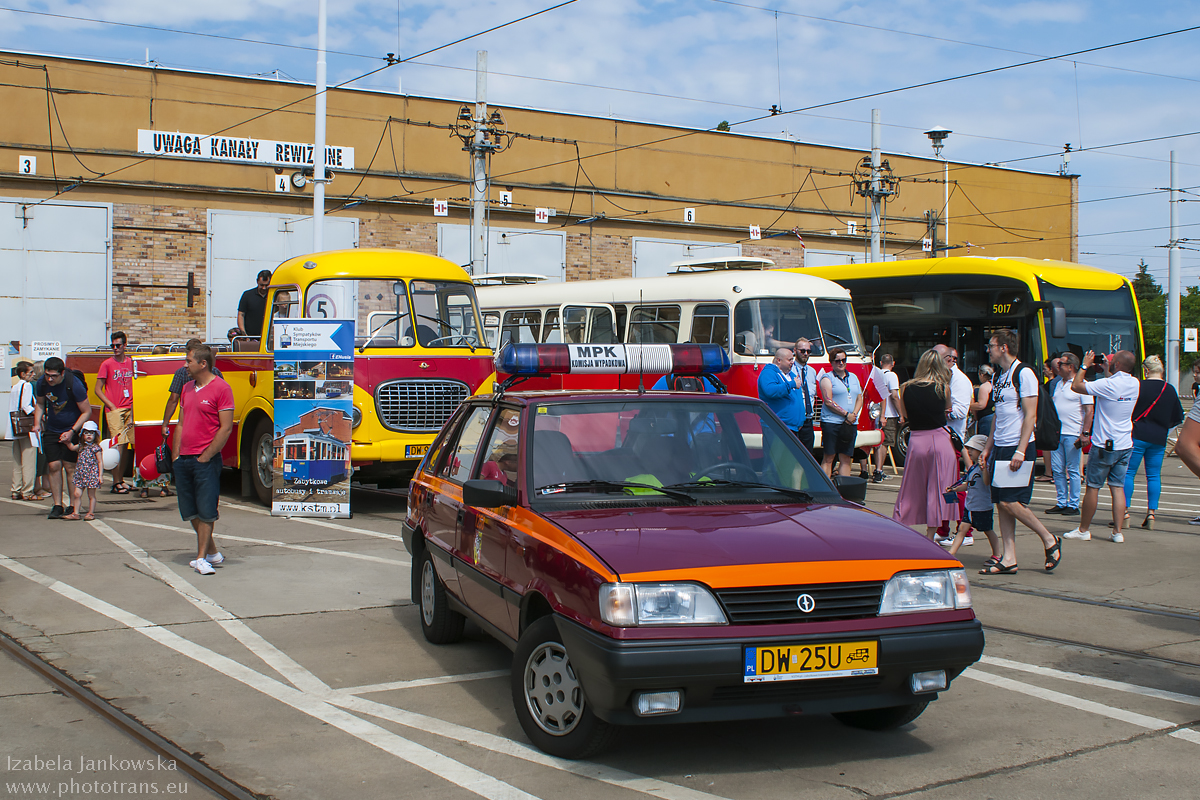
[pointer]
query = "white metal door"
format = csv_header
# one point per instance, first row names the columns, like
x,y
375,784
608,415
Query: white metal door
x,y
240,243
652,257
524,250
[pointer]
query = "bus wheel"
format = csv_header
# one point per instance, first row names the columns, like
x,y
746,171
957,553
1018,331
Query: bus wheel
x,y
262,456
900,452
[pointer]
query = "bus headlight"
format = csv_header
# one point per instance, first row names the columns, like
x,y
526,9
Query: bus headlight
x,y
355,417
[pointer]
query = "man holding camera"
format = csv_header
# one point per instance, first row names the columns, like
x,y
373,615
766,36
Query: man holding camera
x,y
1112,436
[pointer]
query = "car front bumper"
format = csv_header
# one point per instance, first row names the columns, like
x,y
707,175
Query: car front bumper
x,y
709,672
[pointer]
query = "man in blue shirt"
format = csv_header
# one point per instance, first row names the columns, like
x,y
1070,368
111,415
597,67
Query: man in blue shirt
x,y
779,390
806,381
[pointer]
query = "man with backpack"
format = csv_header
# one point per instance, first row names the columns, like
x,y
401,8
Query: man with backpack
x,y
1112,437
1010,450
62,409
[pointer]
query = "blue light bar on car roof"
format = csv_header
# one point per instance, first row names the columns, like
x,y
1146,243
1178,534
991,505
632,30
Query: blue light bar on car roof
x,y
629,359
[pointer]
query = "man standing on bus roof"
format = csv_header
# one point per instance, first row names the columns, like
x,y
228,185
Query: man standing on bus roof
x,y
253,306
779,390
205,422
805,378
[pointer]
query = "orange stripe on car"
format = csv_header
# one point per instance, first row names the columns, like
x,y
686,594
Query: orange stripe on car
x,y
791,574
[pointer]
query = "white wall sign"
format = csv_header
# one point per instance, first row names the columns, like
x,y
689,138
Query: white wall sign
x,y
506,199
541,215
755,232
441,208
232,148
282,184
851,228
27,165
40,351
689,215
1189,340
927,245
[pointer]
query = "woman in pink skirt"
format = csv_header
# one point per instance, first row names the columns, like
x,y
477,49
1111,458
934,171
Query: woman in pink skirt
x,y
930,465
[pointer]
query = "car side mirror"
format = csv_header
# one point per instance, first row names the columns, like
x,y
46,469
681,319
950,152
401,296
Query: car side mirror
x,y
493,494
852,488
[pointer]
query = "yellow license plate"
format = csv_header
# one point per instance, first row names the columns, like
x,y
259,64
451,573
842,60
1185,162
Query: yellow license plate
x,y
415,450
798,662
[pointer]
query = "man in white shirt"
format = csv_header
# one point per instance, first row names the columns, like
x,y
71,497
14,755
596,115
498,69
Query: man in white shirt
x,y
960,391
891,415
805,378
1010,448
1075,414
1112,438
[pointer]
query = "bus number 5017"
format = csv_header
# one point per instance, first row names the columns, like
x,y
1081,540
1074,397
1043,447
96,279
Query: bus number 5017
x,y
1002,308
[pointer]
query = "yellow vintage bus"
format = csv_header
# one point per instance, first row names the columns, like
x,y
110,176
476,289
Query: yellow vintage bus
x,y
1053,306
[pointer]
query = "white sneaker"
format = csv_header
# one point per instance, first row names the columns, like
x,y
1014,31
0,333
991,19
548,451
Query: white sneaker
x,y
1083,536
949,540
202,566
1194,521
968,540
216,560
1117,538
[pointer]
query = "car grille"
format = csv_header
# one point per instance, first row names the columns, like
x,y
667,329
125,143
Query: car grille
x,y
777,604
419,405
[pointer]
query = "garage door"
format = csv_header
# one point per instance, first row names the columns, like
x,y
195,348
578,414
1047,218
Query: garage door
x,y
523,250
652,257
240,243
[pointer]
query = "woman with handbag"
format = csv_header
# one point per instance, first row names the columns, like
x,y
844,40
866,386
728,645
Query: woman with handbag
x,y
931,463
20,411
1157,411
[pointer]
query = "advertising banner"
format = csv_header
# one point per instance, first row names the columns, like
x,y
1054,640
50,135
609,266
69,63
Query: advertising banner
x,y
314,391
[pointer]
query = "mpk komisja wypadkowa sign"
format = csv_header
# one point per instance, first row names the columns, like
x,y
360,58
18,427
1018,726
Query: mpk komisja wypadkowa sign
x,y
239,149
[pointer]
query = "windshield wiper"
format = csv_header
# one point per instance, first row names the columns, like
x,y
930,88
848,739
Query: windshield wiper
x,y
438,320
799,494
612,486
841,340
375,332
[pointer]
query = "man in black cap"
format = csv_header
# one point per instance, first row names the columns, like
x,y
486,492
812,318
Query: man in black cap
x,y
253,306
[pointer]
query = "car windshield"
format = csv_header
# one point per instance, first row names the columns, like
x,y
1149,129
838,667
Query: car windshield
x,y
697,451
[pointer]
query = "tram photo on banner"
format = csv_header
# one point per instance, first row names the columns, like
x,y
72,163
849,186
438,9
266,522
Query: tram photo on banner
x,y
314,382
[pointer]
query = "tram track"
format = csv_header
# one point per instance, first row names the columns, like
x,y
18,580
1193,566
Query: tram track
x,y
1191,616
131,727
1134,654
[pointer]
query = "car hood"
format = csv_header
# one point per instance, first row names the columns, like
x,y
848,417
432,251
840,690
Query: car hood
x,y
649,540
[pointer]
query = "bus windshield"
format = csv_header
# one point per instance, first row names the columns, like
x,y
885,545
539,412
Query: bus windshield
x,y
445,314
1097,319
764,325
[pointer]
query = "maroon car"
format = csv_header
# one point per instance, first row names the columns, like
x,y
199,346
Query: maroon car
x,y
675,557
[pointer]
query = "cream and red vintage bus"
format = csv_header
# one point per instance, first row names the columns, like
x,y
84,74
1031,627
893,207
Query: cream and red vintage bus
x,y
741,304
418,355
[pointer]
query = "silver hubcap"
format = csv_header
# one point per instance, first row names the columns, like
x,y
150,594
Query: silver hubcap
x,y
427,579
552,691
266,455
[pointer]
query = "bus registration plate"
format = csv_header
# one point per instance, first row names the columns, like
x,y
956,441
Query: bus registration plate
x,y
415,450
797,662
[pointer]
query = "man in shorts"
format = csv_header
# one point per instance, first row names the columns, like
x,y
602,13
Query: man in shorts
x,y
1010,447
114,387
1112,437
205,422
62,408
891,414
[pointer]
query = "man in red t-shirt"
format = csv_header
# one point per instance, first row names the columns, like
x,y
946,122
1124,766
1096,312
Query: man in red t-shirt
x,y
205,422
114,387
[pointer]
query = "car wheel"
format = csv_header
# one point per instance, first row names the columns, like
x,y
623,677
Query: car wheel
x,y
549,698
882,719
262,460
439,624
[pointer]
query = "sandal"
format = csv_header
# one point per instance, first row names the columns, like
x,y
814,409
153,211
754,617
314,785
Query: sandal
x,y
998,569
72,515
990,561
1148,522
119,488
89,516
164,492
39,497
1054,554
144,492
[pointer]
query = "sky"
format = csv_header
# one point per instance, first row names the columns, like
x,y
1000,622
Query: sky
x,y
694,63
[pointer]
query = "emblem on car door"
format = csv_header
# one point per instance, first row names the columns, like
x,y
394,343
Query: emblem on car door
x,y
806,603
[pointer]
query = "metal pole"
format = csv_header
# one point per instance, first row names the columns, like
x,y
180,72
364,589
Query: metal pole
x,y
319,137
945,206
479,157
876,136
1173,285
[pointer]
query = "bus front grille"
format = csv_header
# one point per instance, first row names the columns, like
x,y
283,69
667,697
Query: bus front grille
x,y
418,405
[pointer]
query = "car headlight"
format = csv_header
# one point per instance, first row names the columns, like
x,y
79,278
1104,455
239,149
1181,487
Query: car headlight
x,y
934,590
355,417
627,605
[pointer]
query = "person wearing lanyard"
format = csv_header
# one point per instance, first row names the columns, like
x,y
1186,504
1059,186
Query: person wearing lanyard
x,y
805,378
842,398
